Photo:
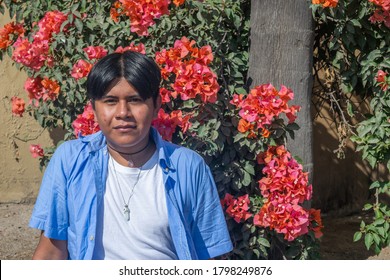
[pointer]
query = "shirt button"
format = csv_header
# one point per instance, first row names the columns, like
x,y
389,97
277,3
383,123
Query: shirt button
x,y
91,237
166,169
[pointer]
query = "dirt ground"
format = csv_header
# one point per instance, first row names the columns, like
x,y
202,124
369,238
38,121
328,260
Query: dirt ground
x,y
17,241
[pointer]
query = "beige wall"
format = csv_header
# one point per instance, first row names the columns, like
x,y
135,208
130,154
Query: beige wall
x,y
19,172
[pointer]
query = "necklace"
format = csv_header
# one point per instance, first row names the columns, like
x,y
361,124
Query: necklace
x,y
130,162
126,209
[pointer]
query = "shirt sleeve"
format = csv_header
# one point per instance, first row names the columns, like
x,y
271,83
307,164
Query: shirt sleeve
x,y
50,211
209,230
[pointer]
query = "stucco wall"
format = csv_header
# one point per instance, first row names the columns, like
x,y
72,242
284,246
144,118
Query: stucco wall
x,y
19,172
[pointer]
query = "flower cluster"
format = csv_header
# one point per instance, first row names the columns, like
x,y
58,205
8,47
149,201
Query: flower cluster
x,y
284,181
191,73
382,80
259,108
36,53
284,187
85,123
17,106
382,12
132,47
81,69
41,88
36,151
8,33
237,208
166,124
326,3
142,13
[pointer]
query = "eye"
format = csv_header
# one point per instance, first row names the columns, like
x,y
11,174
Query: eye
x,y
110,101
135,99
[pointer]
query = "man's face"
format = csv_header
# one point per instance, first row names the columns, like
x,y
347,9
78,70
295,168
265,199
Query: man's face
x,y
124,117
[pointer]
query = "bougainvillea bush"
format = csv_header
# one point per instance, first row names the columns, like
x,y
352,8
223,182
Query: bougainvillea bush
x,y
352,47
202,49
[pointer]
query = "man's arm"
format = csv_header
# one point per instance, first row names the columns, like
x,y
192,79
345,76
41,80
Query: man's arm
x,y
51,249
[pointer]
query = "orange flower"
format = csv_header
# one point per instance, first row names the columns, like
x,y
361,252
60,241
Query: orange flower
x,y
316,222
17,106
265,133
51,89
178,2
8,33
326,3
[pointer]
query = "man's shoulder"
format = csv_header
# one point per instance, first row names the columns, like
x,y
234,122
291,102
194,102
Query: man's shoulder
x,y
83,143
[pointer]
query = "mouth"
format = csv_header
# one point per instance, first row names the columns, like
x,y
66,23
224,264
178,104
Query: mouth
x,y
126,127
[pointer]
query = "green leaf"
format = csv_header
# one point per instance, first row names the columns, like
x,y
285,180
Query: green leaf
x,y
368,240
247,179
367,207
264,242
357,236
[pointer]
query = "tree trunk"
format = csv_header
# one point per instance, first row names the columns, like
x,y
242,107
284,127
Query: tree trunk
x,y
281,52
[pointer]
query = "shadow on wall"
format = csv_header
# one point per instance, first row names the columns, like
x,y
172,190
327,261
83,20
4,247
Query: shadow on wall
x,y
57,134
339,184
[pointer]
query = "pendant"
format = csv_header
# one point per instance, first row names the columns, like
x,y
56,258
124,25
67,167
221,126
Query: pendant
x,y
126,212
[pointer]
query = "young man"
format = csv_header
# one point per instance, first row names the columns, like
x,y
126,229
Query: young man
x,y
124,193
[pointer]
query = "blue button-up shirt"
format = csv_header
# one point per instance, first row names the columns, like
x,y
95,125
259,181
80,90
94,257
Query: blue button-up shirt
x,y
73,187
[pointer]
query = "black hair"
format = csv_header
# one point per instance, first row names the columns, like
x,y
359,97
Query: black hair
x,y
137,69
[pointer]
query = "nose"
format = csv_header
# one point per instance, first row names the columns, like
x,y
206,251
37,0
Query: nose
x,y
123,110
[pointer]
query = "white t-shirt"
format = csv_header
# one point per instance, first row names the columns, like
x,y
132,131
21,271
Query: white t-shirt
x,y
146,235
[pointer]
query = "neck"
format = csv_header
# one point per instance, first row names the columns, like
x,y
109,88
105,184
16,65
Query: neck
x,y
135,159
130,154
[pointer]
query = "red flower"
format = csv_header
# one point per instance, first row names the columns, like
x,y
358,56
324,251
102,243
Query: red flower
x,y
178,2
291,220
36,53
81,69
284,179
315,222
384,4
85,123
188,67
140,48
381,78
165,125
9,33
237,208
50,88
262,105
95,52
17,106
142,13
36,151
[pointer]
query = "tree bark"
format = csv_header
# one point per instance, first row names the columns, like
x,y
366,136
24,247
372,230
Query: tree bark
x,y
281,53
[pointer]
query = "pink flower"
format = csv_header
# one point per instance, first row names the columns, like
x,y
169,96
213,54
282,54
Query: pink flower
x,y
140,48
85,123
81,69
381,78
290,220
237,208
95,52
17,106
36,151
165,125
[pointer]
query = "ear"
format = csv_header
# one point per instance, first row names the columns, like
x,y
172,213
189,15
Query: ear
x,y
157,106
